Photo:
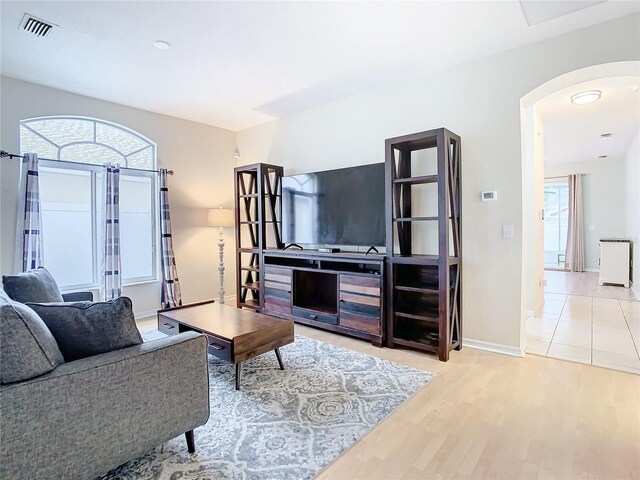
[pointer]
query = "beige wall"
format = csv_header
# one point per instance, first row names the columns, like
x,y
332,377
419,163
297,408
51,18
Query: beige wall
x,y
603,201
479,101
201,155
632,200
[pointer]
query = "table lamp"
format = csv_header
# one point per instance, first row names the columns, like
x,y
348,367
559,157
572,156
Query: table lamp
x,y
221,218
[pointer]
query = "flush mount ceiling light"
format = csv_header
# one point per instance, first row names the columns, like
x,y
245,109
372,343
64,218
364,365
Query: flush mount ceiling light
x,y
162,45
585,97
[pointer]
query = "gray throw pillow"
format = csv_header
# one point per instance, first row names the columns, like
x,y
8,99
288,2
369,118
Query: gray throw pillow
x,y
27,346
33,286
84,329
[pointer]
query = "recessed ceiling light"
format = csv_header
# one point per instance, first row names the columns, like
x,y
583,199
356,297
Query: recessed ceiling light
x,y
162,45
588,96
635,87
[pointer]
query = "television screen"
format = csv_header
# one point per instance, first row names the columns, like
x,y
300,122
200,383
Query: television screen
x,y
335,207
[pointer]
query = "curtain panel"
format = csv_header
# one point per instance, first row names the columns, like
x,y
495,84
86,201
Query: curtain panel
x,y
32,247
112,279
575,235
171,294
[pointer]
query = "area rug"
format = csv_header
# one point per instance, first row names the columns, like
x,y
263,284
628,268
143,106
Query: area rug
x,y
283,424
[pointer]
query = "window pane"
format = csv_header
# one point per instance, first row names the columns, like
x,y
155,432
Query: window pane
x,y
122,140
64,130
90,153
142,159
67,226
136,226
31,143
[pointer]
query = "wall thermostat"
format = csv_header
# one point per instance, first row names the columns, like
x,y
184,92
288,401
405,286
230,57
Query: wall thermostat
x,y
486,196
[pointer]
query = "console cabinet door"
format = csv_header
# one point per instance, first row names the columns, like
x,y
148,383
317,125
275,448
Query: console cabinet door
x,y
277,290
360,303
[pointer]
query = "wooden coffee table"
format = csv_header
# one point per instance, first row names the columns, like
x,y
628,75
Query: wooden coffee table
x,y
234,335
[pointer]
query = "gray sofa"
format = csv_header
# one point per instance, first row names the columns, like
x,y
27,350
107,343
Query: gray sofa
x,y
88,416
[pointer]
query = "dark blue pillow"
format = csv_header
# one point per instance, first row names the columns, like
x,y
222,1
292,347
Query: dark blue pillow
x,y
84,329
33,286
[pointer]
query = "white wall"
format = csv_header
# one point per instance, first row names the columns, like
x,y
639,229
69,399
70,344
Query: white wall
x,y
603,201
201,155
632,200
479,101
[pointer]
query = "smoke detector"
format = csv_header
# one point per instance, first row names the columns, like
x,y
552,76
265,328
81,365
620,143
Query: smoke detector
x,y
35,26
606,135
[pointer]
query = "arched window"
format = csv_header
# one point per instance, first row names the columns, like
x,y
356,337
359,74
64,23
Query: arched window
x,y
88,140
73,151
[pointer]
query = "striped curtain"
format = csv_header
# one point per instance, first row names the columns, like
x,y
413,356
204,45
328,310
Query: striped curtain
x,y
171,295
32,249
112,281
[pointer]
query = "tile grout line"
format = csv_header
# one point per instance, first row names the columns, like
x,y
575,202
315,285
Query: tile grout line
x,y
629,329
557,323
592,334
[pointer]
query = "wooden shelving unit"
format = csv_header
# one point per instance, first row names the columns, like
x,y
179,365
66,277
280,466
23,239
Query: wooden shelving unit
x,y
258,194
424,308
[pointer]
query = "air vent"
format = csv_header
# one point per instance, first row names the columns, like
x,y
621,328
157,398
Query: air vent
x,y
602,156
35,26
606,135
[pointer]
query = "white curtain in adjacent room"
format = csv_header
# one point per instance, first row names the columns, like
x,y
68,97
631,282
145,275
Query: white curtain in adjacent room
x,y
575,235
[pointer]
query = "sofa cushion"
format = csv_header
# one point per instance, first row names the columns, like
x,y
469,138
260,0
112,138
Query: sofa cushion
x,y
33,286
83,329
28,347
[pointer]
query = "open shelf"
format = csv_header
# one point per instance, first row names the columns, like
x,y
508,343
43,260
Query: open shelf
x,y
417,282
417,180
252,286
252,303
426,291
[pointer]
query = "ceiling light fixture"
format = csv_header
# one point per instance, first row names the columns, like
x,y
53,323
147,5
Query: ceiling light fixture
x,y
162,45
585,97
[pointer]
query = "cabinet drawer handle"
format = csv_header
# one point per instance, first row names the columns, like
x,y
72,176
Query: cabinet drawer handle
x,y
215,347
313,316
168,325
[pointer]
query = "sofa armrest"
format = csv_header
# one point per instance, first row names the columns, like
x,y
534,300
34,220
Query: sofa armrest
x,y
78,297
91,415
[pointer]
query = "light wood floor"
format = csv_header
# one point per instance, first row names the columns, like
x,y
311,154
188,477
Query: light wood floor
x,y
487,415
584,284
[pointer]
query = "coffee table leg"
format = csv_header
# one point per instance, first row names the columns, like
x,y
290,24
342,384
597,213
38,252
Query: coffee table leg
x,y
238,374
279,357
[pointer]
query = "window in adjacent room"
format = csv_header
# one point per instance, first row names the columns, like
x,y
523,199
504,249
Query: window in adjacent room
x,y
556,222
72,200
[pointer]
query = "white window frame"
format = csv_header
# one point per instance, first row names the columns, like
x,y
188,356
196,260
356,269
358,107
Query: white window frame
x,y
96,202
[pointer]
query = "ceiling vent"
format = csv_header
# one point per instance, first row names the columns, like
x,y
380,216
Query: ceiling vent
x,y
35,26
606,135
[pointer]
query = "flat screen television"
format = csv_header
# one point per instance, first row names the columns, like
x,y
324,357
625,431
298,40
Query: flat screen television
x,y
335,207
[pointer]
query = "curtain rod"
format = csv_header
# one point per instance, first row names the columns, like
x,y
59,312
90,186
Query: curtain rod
x,y
4,154
563,176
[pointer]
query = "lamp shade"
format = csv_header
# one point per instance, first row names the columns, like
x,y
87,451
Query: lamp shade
x,y
220,217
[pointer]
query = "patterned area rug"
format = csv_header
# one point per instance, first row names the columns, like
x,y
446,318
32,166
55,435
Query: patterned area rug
x,y
283,424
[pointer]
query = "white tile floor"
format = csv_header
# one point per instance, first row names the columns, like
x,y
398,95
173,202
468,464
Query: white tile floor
x,y
596,331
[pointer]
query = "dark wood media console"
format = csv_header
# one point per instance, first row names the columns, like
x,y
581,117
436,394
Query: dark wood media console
x,y
340,292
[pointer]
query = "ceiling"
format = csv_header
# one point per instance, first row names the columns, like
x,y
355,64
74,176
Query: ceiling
x,y
572,132
239,64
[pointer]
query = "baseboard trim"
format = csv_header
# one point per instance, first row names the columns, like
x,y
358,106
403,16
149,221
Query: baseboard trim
x,y
592,270
492,347
636,290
